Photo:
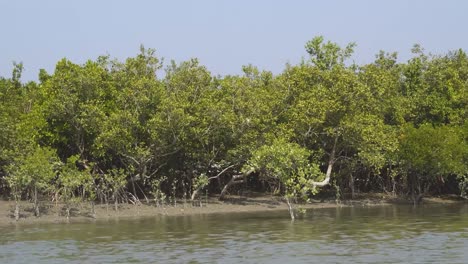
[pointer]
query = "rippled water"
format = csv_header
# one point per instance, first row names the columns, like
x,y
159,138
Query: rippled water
x,y
388,234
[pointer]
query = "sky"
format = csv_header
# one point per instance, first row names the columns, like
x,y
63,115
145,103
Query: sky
x,y
222,34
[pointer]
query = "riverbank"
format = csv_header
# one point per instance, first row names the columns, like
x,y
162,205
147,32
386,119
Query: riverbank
x,y
53,213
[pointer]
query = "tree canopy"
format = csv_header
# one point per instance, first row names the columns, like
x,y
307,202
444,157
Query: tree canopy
x,y
122,130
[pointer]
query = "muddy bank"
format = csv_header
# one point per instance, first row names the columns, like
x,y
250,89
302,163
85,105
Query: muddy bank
x,y
55,213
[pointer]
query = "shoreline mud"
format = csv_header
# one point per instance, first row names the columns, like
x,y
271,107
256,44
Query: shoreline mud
x,y
54,213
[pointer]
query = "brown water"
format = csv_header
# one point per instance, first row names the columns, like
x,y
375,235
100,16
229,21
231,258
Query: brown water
x,y
387,234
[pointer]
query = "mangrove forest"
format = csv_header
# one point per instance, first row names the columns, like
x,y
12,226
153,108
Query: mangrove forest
x,y
141,130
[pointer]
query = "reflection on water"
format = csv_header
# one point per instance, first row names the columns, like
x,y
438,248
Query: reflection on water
x,y
388,234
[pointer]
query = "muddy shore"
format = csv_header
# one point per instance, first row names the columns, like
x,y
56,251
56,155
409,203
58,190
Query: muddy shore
x,y
55,213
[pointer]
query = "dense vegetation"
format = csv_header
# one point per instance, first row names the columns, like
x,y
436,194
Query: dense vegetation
x,y
113,131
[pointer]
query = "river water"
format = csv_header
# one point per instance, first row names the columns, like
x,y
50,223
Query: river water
x,y
377,234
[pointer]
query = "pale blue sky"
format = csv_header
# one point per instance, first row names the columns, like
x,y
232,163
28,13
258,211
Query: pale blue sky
x,y
224,35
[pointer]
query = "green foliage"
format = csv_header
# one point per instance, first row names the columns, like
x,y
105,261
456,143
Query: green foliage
x,y
156,191
434,151
33,172
287,162
201,181
115,126
327,55
112,183
73,184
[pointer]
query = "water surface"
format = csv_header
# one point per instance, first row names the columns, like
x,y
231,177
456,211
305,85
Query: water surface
x,y
387,234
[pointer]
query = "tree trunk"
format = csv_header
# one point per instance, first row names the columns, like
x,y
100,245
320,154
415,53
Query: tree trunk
x,y
417,192
236,179
93,212
17,210
144,195
195,193
68,211
116,207
291,209
36,205
331,161
132,179
351,185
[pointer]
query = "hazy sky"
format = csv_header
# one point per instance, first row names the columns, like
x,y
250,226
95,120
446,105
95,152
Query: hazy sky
x,y
224,35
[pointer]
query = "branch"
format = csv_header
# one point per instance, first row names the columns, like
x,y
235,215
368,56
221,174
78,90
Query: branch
x,y
132,158
223,171
157,169
169,153
194,194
